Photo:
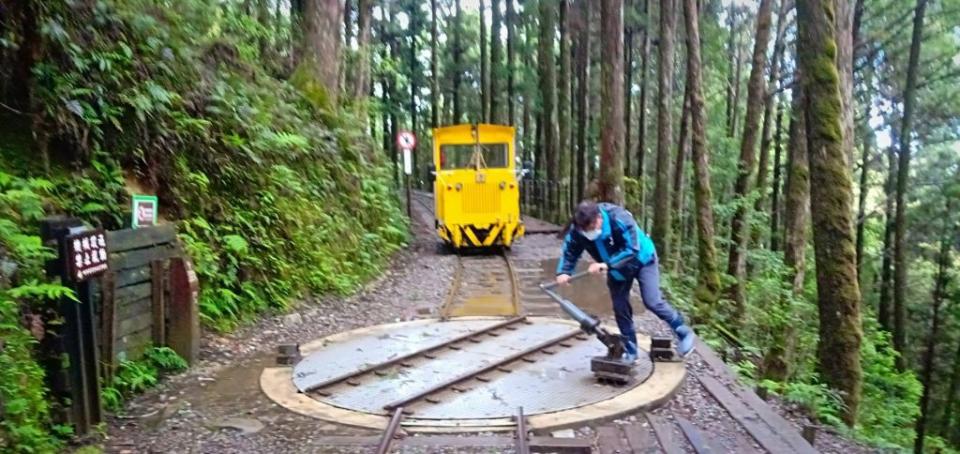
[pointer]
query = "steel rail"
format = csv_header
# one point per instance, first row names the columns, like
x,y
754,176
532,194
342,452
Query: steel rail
x,y
477,372
409,356
523,445
387,439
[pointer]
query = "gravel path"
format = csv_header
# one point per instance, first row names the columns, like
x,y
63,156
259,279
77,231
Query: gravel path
x,y
217,406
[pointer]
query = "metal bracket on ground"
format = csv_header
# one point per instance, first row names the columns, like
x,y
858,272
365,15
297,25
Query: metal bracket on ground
x,y
661,350
288,354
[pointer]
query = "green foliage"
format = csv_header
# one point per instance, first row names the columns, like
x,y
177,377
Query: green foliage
x,y
26,425
276,196
134,377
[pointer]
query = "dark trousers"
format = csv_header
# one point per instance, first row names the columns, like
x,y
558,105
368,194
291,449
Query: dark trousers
x,y
649,278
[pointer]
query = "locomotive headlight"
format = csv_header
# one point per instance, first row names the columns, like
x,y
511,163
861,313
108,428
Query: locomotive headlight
x,y
449,188
503,184
459,186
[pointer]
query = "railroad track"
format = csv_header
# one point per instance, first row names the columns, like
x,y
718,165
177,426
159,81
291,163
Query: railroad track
x,y
484,282
464,382
482,285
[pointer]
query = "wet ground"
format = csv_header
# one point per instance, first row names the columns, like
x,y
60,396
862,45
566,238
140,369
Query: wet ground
x,y
217,406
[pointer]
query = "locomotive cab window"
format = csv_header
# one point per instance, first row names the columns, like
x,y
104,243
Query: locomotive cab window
x,y
474,156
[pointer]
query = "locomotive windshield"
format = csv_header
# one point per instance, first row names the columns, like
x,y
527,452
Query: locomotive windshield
x,y
474,156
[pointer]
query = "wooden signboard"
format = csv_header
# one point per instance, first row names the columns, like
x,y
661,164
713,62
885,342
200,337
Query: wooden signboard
x,y
86,255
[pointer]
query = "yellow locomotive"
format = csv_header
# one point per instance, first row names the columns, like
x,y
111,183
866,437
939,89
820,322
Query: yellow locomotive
x,y
476,185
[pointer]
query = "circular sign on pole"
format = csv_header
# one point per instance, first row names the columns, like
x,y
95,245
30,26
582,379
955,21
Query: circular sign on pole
x,y
406,140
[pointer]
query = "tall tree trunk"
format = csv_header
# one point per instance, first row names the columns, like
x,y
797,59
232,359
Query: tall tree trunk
x,y
661,191
627,93
733,56
495,61
563,107
844,36
583,90
831,200
946,422
414,66
737,265
610,181
735,110
484,67
769,114
939,295
642,107
884,309
775,192
864,189
903,176
361,81
548,87
708,280
347,22
434,66
677,196
457,53
511,54
318,73
778,360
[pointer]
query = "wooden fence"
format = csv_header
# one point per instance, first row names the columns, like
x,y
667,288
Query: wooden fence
x,y
147,296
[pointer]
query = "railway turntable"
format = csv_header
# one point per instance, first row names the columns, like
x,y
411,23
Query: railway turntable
x,y
463,374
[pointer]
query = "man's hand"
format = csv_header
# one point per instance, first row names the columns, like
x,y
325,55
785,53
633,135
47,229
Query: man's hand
x,y
563,279
596,268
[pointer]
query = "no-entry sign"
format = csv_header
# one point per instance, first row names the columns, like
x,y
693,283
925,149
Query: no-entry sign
x,y
406,140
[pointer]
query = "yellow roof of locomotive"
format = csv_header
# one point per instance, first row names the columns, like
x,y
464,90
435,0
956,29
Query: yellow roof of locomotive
x,y
463,133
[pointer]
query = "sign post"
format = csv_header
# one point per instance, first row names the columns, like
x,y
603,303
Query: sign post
x,y
407,141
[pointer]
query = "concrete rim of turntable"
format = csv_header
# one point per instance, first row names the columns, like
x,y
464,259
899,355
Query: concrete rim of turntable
x,y
664,381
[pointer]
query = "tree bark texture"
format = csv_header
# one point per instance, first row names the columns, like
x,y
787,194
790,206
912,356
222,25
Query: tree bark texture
x,y
708,280
511,55
548,89
457,52
939,295
434,66
831,198
778,360
739,234
563,109
496,63
628,52
770,113
642,105
484,67
903,177
885,309
610,181
320,56
733,56
583,90
777,177
677,195
661,191
361,82
844,37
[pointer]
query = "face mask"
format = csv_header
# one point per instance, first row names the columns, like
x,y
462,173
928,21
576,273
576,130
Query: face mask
x,y
592,234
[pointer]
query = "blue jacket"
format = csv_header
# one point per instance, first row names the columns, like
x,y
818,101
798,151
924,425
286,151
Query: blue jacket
x,y
620,239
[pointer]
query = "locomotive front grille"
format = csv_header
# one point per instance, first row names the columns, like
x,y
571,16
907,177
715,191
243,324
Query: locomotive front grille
x,y
482,198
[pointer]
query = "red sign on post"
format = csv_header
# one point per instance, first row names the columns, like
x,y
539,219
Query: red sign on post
x,y
406,140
